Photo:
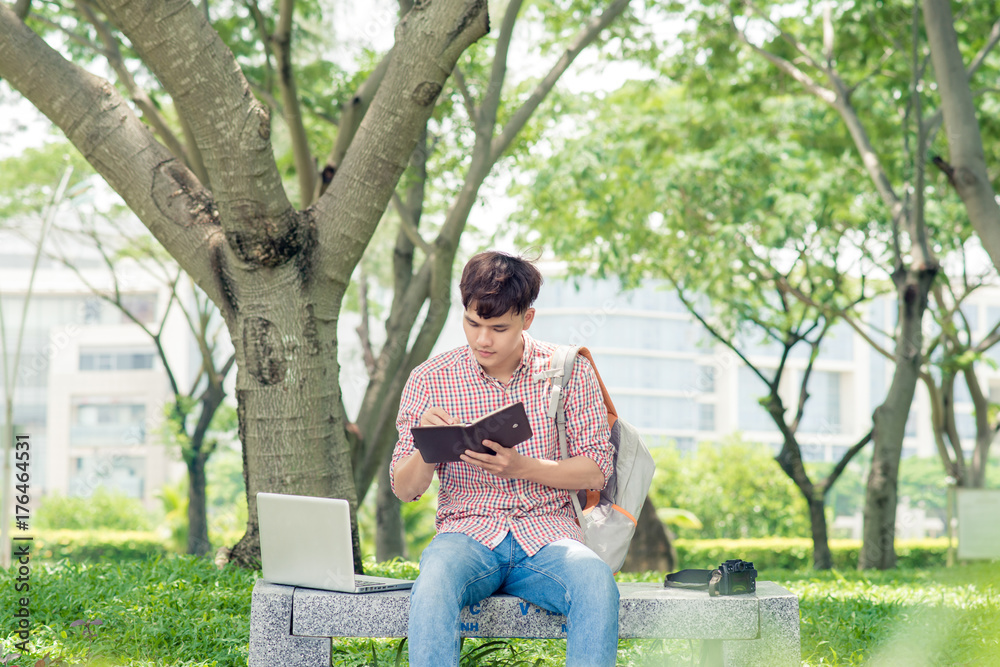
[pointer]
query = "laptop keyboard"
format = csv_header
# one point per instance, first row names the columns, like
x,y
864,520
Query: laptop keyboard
x,y
366,583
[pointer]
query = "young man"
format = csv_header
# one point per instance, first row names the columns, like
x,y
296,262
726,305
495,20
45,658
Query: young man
x,y
505,522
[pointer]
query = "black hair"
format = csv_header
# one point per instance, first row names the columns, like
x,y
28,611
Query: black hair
x,y
498,283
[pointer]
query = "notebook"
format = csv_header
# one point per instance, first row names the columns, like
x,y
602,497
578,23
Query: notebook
x,y
306,541
439,444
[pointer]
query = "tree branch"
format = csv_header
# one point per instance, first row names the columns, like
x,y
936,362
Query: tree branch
x,y
838,469
965,143
583,38
807,373
409,227
265,39
796,44
230,127
305,166
362,329
825,94
828,35
715,333
112,51
838,98
168,198
429,41
115,299
991,42
840,313
485,122
350,121
470,104
72,36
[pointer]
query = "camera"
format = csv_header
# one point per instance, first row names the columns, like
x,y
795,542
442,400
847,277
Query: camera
x,y
733,578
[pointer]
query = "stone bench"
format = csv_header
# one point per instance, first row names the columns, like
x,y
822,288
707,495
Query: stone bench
x,y
293,627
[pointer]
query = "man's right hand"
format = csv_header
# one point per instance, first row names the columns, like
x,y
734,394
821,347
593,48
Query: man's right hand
x,y
435,416
412,474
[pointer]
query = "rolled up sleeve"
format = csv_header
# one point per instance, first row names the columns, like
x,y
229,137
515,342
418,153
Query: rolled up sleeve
x,y
413,403
587,418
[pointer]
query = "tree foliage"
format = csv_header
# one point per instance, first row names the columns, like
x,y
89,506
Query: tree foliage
x,y
779,182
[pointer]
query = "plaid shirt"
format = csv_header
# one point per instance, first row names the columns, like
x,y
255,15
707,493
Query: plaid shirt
x,y
477,503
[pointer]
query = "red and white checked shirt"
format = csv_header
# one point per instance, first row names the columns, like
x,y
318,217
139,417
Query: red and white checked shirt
x,y
477,503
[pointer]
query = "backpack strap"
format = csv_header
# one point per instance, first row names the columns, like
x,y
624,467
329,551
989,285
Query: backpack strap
x,y
559,371
608,403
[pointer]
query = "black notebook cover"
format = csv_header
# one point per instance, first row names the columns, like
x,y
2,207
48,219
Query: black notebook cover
x,y
439,444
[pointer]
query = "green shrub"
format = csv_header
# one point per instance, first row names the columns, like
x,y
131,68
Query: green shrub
x,y
89,546
735,489
103,509
790,553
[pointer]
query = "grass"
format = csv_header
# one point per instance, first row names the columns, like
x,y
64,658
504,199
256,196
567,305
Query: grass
x,y
171,610
918,617
178,611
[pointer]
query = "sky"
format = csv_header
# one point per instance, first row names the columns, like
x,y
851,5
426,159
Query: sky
x,y
21,125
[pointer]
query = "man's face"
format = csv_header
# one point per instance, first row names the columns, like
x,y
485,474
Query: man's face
x,y
496,341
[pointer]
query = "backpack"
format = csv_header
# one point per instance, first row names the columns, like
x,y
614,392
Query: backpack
x,y
608,517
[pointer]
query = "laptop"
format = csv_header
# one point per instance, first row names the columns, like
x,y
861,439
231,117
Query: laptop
x,y
306,541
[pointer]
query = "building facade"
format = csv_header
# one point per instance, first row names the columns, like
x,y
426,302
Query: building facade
x,y
672,380
90,386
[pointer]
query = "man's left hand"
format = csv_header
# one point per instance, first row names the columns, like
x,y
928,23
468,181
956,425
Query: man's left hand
x,y
507,462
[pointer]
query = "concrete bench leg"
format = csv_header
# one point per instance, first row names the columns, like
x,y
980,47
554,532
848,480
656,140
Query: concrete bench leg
x,y
778,645
271,640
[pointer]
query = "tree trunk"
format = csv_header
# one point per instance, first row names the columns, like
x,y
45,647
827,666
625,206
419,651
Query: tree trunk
x,y
197,544
822,558
197,453
285,335
985,431
790,460
651,548
390,538
877,550
969,175
277,275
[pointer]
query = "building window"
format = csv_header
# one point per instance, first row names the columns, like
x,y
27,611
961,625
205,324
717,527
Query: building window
x,y
706,379
92,359
813,453
120,424
121,473
92,311
141,306
751,414
706,417
822,411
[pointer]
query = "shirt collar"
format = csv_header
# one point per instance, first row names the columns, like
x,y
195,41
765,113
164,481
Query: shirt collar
x,y
527,353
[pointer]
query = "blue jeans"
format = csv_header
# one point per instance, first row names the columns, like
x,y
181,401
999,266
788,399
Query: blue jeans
x,y
563,577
